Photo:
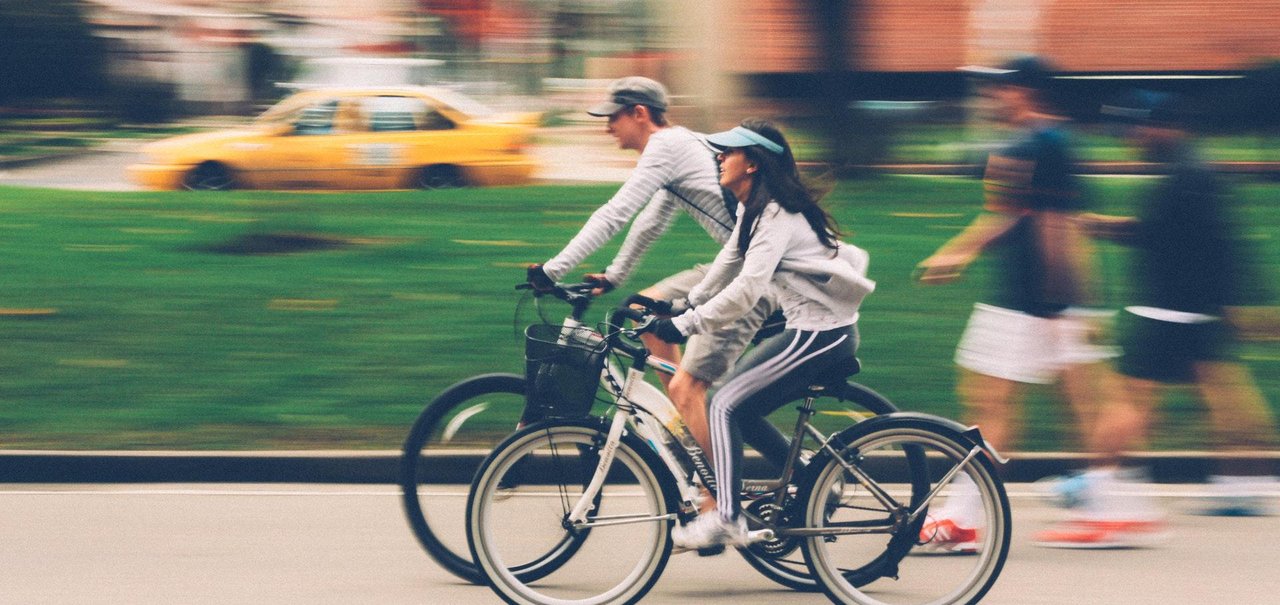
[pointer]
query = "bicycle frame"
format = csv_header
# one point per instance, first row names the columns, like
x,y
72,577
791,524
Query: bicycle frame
x,y
651,414
655,418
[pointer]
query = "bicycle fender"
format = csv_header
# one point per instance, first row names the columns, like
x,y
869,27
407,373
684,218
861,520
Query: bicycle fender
x,y
968,434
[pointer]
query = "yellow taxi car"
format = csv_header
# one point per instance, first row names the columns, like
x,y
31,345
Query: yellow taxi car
x,y
356,138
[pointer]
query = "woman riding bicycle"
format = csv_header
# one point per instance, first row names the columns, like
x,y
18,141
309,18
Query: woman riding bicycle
x,y
782,240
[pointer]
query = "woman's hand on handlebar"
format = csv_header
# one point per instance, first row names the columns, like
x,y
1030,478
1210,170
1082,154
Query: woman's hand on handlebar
x,y
667,308
667,331
646,321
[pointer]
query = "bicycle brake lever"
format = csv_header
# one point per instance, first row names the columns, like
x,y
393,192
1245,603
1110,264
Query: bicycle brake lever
x,y
640,328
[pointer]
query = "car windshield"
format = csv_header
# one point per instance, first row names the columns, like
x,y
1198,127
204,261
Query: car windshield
x,y
283,112
462,103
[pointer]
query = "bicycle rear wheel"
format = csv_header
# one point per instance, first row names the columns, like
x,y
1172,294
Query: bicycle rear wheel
x,y
781,559
840,498
519,505
452,434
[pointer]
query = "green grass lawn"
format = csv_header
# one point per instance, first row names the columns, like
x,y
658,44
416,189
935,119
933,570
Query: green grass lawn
x,y
142,320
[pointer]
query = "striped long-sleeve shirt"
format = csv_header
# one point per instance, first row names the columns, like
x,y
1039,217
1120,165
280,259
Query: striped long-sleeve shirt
x,y
676,171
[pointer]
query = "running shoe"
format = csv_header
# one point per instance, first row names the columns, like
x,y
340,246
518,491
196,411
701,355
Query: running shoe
x,y
1233,496
1222,505
944,537
709,530
1066,491
1092,534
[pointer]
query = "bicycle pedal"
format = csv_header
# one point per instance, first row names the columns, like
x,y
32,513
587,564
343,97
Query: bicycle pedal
x,y
760,535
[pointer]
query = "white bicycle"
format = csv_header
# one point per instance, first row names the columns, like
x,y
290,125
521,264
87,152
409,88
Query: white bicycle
x,y
472,417
580,510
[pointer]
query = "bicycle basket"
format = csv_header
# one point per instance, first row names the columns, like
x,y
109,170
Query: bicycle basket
x,y
562,368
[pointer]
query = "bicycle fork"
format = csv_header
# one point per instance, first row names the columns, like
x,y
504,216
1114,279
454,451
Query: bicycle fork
x,y
578,516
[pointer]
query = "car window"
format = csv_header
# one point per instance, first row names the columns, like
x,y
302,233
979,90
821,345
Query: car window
x,y
316,118
393,113
462,103
350,117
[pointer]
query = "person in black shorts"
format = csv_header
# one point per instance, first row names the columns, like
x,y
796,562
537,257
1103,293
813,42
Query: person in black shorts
x,y
1193,291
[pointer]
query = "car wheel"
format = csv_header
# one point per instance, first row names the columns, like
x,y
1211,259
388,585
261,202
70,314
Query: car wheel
x,y
209,176
440,177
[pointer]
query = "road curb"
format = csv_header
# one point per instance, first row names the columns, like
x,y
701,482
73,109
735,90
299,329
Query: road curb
x,y
382,466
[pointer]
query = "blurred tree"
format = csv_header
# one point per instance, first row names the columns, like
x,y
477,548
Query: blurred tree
x,y
853,139
47,49
264,67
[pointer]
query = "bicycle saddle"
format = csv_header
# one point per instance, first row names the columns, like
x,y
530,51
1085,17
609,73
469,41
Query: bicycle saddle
x,y
838,372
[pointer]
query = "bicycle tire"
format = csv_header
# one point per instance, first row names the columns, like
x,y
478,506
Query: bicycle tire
x,y
428,437
795,574
874,447
496,506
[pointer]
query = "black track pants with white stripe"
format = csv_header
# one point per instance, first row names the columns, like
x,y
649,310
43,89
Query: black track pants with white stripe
x,y
774,373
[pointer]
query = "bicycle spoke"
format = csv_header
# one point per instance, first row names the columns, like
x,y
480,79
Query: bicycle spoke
x,y
865,525
523,543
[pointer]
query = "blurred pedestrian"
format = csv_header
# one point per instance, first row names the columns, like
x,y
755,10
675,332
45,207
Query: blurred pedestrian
x,y
1191,286
677,171
1030,330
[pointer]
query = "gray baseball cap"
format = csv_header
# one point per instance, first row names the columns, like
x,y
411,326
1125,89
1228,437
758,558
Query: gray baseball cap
x,y
632,90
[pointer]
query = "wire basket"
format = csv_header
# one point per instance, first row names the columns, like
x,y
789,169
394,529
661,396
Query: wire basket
x,y
562,368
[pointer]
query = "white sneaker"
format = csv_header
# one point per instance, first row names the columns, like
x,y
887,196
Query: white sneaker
x,y
710,529
1232,496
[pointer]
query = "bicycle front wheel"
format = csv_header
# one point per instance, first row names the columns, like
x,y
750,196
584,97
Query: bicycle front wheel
x,y
849,494
518,509
451,435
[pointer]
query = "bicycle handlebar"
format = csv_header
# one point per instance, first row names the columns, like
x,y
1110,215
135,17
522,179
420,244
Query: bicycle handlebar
x,y
578,295
643,318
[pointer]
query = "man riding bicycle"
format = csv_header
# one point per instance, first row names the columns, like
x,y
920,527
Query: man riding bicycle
x,y
676,171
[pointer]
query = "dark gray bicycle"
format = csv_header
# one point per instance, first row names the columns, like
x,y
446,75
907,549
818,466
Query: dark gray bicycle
x,y
469,419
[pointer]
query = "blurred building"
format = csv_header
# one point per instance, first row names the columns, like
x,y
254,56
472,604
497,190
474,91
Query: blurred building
x,y
710,52
1103,36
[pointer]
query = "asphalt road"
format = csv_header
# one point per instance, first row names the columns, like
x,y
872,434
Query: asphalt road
x,y
320,544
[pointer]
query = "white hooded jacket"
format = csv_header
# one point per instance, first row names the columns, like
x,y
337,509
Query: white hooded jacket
x,y
818,288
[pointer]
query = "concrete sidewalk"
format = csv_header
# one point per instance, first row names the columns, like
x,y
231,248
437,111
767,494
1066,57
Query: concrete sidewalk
x,y
382,466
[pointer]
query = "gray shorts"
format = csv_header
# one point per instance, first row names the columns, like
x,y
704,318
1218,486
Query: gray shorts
x,y
709,357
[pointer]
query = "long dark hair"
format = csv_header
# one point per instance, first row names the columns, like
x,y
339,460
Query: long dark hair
x,y
777,178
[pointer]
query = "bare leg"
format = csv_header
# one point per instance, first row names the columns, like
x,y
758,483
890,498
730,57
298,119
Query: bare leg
x,y
1122,424
665,350
1086,397
1237,410
989,403
1112,412
690,396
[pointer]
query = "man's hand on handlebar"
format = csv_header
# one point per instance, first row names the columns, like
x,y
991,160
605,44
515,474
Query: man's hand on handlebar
x,y
537,277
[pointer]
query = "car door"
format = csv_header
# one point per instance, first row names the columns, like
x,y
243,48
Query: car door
x,y
415,136
373,158
329,147
294,159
